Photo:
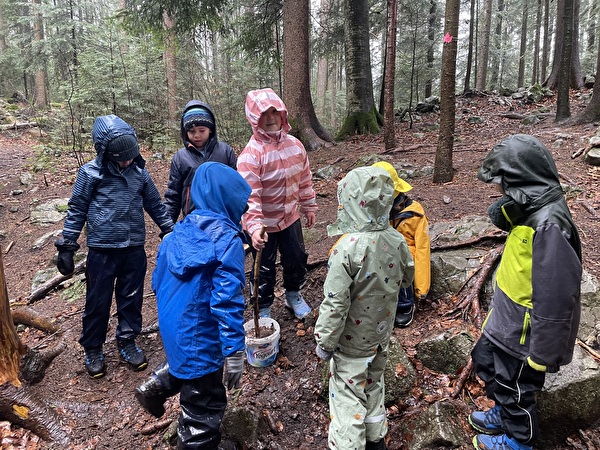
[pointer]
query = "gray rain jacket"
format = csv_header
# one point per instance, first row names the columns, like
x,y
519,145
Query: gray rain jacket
x,y
535,309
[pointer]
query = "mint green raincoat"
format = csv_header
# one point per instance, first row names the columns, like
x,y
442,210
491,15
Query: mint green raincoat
x,y
366,269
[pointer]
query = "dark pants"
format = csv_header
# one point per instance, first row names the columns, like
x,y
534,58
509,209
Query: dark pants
x,y
203,401
406,299
290,244
513,385
121,270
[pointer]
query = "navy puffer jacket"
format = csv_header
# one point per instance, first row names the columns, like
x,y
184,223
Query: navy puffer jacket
x,y
187,159
110,201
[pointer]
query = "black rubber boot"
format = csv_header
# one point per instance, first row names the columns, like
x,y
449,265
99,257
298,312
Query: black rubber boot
x,y
159,386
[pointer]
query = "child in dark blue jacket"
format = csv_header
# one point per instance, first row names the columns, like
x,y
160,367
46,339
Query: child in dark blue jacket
x,y
198,132
110,196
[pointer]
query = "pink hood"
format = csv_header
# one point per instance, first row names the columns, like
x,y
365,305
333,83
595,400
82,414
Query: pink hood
x,y
259,101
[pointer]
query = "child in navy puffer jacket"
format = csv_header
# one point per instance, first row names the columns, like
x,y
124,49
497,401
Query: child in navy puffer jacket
x,y
110,196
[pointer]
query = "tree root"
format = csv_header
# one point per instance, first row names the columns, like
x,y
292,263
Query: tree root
x,y
20,407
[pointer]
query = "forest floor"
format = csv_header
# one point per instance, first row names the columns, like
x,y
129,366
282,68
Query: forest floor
x,y
103,414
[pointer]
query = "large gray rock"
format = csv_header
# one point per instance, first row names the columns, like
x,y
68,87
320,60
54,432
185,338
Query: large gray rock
x,y
446,352
50,212
438,426
399,375
570,399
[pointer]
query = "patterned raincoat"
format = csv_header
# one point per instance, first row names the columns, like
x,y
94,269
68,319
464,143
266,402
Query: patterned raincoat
x,y
366,269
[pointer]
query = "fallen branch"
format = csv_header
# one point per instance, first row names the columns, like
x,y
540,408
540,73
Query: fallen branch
x,y
17,126
589,349
588,207
156,426
580,152
53,283
469,242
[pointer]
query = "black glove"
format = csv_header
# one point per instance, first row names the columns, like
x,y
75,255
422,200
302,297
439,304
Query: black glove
x,y
66,252
234,366
162,234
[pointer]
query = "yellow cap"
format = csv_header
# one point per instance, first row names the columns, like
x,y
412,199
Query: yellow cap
x,y
400,186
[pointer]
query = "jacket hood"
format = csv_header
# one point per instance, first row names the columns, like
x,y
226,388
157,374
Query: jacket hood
x,y
219,188
259,101
365,198
183,133
525,170
107,128
400,186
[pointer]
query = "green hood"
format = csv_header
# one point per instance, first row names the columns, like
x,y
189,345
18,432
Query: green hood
x,y
365,198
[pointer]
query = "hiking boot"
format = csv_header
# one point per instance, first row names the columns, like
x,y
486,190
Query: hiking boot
x,y
404,317
295,302
132,354
487,422
501,442
94,362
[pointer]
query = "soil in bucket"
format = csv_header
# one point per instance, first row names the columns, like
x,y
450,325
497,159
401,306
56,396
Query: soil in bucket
x,y
262,351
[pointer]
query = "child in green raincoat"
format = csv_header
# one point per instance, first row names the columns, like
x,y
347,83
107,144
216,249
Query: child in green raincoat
x,y
366,269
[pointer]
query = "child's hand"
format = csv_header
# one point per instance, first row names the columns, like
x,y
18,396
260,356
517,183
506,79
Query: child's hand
x,y
323,354
258,241
311,219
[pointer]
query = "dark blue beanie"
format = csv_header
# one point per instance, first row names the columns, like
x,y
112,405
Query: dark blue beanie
x,y
198,116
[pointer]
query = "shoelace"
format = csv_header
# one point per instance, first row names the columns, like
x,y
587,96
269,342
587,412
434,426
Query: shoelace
x,y
130,349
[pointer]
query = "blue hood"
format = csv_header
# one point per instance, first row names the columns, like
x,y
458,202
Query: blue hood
x,y
107,128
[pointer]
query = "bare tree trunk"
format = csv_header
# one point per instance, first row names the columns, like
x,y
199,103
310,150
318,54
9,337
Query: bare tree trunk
x,y
562,101
389,129
170,72
431,32
296,87
472,22
523,46
497,56
536,44
546,40
41,96
11,348
592,110
361,114
484,46
442,171
575,73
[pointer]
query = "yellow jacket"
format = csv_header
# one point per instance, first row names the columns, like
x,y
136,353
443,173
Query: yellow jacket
x,y
412,223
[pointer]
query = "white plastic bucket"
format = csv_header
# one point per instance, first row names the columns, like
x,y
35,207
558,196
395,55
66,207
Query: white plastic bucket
x,y
261,352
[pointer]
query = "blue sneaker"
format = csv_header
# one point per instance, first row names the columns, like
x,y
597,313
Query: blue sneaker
x,y
487,422
265,312
295,302
501,442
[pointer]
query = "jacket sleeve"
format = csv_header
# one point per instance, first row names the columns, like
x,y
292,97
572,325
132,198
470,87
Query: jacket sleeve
x,y
422,257
249,168
337,298
79,204
154,206
306,193
227,300
556,284
174,189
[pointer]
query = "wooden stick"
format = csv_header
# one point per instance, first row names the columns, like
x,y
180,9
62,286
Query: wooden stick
x,y
257,259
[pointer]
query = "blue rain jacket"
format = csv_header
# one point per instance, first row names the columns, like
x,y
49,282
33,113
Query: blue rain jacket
x,y
199,276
